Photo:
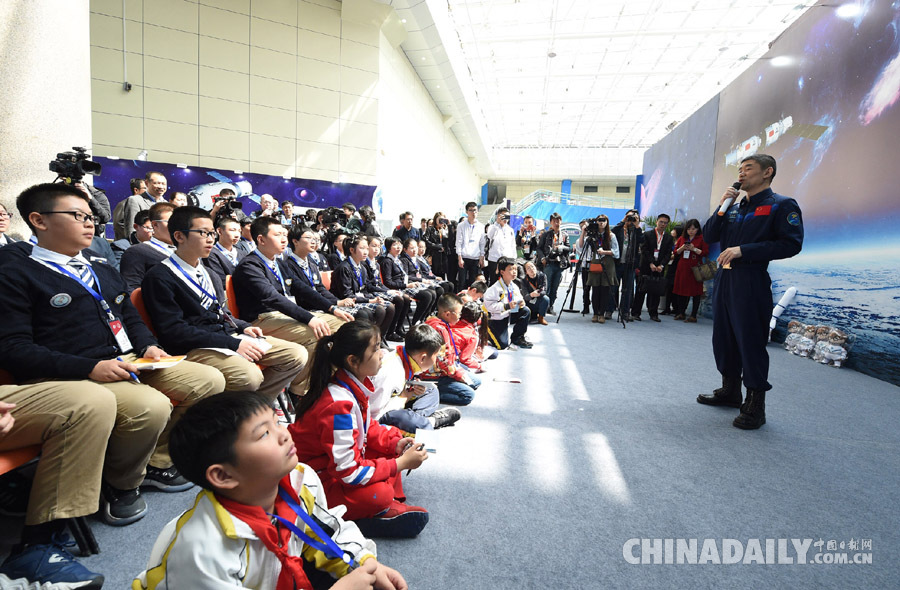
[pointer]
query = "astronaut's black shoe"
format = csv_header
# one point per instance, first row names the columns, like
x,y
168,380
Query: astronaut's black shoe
x,y
727,395
753,411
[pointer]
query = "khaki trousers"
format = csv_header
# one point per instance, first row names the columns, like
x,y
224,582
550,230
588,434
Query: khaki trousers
x,y
187,383
88,431
281,364
275,323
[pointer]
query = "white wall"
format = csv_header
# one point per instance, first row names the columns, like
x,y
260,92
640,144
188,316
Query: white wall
x,y
421,167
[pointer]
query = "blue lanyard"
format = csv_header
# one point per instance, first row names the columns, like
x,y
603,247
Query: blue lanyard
x,y
165,250
195,283
95,294
274,270
309,274
365,425
452,339
509,296
356,269
326,545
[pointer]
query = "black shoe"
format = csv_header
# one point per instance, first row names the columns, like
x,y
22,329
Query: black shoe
x,y
608,315
753,411
628,318
636,318
550,311
394,337
522,342
727,395
445,417
166,480
121,507
655,318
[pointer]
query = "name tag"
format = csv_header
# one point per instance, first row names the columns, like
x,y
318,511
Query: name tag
x,y
121,337
656,255
687,254
763,210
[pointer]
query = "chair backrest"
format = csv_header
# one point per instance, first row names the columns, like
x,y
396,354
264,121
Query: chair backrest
x,y
326,279
229,296
137,300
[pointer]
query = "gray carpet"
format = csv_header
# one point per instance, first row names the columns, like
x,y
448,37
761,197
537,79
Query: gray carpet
x,y
542,483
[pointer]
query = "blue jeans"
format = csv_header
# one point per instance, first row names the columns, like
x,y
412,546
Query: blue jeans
x,y
539,306
456,392
411,418
554,278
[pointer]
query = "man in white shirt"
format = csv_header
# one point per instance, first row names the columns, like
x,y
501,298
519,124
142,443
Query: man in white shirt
x,y
502,240
470,241
505,303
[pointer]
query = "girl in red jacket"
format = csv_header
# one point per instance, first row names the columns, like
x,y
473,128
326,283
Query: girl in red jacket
x,y
358,460
691,248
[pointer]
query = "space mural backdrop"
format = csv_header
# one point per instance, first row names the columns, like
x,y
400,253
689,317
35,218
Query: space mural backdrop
x,y
829,117
202,184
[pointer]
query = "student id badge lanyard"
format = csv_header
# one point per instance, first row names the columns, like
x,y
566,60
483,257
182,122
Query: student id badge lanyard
x,y
115,324
452,339
274,270
659,238
326,545
358,272
214,300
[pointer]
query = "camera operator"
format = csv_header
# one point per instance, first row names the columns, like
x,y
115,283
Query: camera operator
x,y
553,250
526,238
225,204
656,249
629,238
603,247
501,243
351,220
71,168
368,227
584,258
99,204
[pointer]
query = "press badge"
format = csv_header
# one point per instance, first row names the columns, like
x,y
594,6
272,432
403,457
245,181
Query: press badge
x,y
656,255
687,254
121,337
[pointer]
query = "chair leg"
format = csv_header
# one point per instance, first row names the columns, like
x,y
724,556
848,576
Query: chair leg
x,y
285,407
84,536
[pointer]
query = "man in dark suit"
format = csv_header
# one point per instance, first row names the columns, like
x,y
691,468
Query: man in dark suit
x,y
656,248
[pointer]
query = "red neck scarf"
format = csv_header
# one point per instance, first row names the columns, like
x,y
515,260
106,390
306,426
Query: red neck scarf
x,y
343,378
276,539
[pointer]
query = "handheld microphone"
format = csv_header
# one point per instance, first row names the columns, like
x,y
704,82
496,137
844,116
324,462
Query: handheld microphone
x,y
727,203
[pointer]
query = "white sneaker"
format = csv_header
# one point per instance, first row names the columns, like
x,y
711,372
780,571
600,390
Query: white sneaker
x,y
512,347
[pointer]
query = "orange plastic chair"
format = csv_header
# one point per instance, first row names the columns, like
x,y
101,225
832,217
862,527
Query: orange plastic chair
x,y
326,279
230,298
137,300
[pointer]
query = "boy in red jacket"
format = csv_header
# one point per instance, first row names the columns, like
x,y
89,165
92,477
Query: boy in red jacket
x,y
455,382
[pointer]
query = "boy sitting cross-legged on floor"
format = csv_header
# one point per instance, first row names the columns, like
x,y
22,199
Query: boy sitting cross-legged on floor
x,y
263,520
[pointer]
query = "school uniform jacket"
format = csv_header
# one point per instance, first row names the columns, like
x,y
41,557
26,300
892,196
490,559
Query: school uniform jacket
x,y
392,275
410,266
220,264
258,291
53,328
136,261
344,283
181,322
307,286
373,277
208,548
333,435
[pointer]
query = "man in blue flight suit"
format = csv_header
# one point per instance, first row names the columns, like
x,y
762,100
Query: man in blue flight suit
x,y
762,227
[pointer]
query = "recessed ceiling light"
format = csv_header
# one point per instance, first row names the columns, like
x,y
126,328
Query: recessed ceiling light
x,y
423,59
438,86
551,54
403,20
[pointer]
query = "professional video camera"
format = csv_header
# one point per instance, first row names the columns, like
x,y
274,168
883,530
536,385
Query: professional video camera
x,y
503,217
72,166
334,215
632,218
231,202
593,229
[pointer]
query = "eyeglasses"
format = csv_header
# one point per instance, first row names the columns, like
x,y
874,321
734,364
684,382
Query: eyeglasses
x,y
78,215
4,215
472,209
208,235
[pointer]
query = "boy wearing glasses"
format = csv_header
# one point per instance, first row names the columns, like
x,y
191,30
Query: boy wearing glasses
x,y
470,241
187,306
66,318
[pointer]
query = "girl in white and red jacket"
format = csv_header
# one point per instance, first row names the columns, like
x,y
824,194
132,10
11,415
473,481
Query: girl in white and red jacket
x,y
358,460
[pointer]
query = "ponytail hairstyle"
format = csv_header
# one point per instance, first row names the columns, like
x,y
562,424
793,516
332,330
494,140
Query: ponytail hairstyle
x,y
332,353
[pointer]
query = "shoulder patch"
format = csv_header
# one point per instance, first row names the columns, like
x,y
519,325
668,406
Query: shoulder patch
x,y
120,299
793,218
61,300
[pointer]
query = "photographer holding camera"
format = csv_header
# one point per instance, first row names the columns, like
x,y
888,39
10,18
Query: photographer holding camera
x,y
603,249
553,253
526,237
501,243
